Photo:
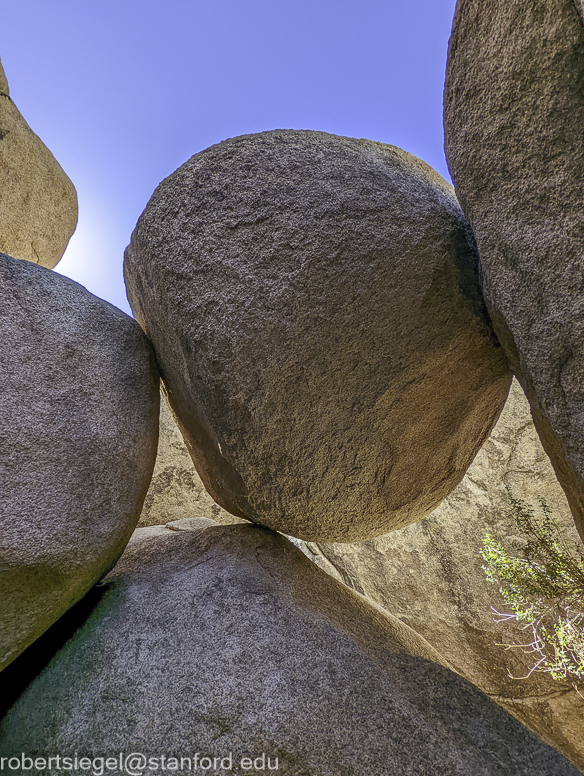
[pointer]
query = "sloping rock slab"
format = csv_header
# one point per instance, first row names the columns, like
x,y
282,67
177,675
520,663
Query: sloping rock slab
x,y
78,432
38,202
430,576
231,641
514,111
314,304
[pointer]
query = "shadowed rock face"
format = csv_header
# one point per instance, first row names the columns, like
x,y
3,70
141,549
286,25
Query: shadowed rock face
x,y
514,111
430,576
176,491
38,202
314,304
312,674
78,419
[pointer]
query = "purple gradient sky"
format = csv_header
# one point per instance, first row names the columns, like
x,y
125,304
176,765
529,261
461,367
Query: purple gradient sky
x,y
124,91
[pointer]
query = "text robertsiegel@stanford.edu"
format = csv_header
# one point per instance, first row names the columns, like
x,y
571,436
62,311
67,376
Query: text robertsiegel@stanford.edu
x,y
138,764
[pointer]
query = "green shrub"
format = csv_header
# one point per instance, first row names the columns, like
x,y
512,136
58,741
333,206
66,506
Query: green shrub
x,y
544,590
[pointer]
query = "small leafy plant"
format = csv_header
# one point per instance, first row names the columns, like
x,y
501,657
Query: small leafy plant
x,y
543,589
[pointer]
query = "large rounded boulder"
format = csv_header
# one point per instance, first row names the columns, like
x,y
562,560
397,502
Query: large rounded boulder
x,y
314,305
79,419
38,204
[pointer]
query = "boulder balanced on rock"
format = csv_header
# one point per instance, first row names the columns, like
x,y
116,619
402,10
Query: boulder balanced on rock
x,y
513,112
314,305
79,422
38,202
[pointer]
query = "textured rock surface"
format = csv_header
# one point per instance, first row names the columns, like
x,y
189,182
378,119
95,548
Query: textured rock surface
x,y
176,491
3,82
312,674
314,305
78,413
38,202
429,575
192,524
514,111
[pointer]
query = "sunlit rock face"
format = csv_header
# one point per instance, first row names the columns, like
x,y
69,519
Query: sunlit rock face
x,y
79,424
38,202
314,305
513,114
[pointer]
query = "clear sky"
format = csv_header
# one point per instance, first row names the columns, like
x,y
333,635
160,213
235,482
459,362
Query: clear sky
x,y
124,91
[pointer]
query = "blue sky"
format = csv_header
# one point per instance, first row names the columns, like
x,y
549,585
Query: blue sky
x,y
124,91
